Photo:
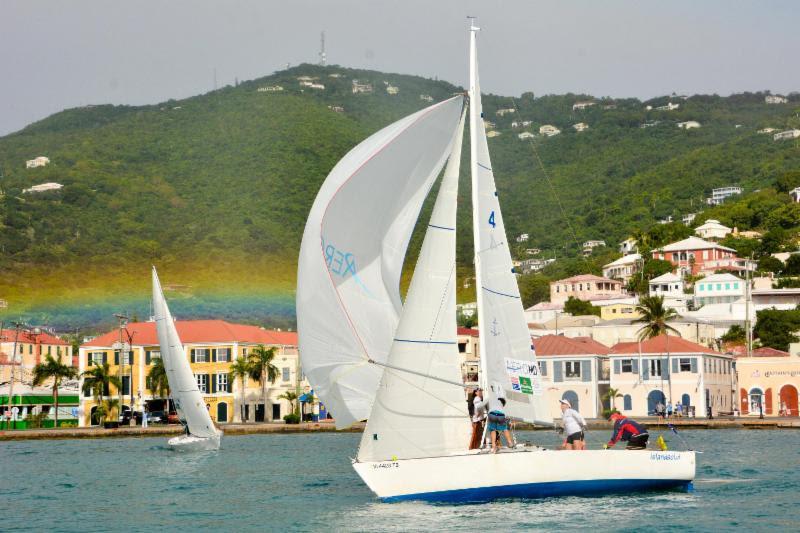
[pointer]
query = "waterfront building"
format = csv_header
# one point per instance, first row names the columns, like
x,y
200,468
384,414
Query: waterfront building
x,y
32,347
712,229
211,347
769,381
585,287
469,354
623,268
671,369
574,369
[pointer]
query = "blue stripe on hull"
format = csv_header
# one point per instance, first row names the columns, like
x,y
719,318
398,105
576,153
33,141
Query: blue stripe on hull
x,y
545,490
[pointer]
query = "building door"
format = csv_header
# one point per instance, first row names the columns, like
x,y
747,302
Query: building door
x,y
686,401
259,412
654,398
246,412
276,411
756,399
94,418
222,412
788,398
572,397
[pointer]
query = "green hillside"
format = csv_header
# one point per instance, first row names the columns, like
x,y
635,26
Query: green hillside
x,y
215,189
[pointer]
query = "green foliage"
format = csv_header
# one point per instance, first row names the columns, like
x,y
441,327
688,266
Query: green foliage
x,y
777,328
533,288
159,383
292,418
792,267
655,317
653,268
736,334
787,283
788,181
770,264
576,307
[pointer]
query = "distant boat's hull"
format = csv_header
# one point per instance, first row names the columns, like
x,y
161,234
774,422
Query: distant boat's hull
x,y
533,473
190,443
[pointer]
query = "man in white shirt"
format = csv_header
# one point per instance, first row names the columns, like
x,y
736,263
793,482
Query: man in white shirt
x,y
478,417
574,424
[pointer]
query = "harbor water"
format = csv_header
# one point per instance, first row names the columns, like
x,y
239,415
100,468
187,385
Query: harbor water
x,y
304,482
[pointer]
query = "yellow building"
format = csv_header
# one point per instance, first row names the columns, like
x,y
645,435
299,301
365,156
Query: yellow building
x,y
768,383
211,347
613,311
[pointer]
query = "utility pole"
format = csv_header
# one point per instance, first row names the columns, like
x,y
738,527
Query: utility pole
x,y
17,327
747,296
323,57
121,319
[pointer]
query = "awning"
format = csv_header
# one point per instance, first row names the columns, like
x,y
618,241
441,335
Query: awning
x,y
303,398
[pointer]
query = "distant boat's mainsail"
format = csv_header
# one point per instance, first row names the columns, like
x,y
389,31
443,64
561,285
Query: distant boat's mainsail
x,y
351,257
508,362
423,414
182,383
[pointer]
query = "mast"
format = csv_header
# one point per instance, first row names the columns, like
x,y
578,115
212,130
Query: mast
x,y
475,119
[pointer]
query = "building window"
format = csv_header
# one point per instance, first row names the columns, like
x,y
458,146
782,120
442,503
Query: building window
x,y
685,365
201,355
223,355
462,347
701,287
244,352
719,286
286,373
627,403
627,366
97,358
655,367
727,286
126,385
155,355
222,383
572,369
736,285
202,382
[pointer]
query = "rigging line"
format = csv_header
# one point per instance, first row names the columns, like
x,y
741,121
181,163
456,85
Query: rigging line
x,y
552,187
409,371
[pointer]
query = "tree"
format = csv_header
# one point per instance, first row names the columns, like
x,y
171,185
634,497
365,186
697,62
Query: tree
x,y
792,267
291,396
310,400
241,369
655,317
788,181
736,334
262,369
640,283
159,383
97,381
533,288
57,371
612,394
777,328
576,307
770,264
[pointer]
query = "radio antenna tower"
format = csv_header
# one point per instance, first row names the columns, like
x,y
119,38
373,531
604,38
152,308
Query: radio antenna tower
x,y
323,57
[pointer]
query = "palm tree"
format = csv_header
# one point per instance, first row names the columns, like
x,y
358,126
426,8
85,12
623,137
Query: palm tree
x,y
655,317
291,396
612,394
58,371
97,381
310,400
262,369
106,407
241,369
159,383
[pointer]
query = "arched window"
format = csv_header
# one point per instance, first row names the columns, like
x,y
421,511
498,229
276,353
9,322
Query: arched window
x,y
686,401
756,400
627,403
572,397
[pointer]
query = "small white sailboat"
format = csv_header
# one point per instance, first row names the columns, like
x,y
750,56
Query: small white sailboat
x,y
416,439
201,434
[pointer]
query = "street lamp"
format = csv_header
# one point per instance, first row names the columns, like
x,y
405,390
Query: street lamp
x,y
122,320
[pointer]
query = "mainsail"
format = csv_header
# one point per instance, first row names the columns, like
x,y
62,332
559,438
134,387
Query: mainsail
x,y
423,413
351,257
182,383
508,362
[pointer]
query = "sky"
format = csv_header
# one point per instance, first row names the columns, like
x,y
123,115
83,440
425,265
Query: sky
x,y
58,54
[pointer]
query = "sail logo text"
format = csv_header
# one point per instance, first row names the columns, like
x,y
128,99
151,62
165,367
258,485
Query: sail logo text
x,y
661,456
339,262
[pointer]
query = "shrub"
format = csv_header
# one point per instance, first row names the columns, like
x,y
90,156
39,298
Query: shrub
x,y
291,418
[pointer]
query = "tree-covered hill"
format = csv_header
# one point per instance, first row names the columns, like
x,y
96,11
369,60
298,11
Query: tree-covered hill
x,y
215,189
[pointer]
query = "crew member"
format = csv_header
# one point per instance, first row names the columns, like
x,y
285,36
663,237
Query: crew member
x,y
574,424
478,412
628,430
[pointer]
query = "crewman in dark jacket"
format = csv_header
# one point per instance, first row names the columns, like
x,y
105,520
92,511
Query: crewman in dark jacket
x,y
628,430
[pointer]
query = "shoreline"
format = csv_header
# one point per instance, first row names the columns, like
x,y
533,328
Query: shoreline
x,y
328,427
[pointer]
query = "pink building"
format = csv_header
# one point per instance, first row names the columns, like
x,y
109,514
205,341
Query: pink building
x,y
694,255
585,287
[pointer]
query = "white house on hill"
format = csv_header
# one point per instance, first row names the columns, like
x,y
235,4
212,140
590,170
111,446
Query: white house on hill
x,y
712,229
623,268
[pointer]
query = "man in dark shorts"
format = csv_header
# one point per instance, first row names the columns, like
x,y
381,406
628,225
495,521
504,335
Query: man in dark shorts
x,y
628,430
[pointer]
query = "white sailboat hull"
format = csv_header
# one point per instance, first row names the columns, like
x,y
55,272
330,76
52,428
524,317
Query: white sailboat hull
x,y
190,443
532,473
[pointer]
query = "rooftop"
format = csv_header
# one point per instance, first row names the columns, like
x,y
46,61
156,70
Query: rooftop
x,y
8,335
560,345
624,260
712,224
661,345
585,277
669,277
199,331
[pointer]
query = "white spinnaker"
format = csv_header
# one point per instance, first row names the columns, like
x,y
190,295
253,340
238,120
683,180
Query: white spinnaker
x,y
351,257
182,383
414,415
508,362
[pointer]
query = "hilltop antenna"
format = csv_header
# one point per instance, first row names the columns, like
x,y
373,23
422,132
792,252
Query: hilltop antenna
x,y
323,57
215,78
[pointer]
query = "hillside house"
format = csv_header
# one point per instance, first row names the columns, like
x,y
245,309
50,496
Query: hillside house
x,y
795,194
767,130
361,88
392,90
488,125
580,126
521,123
522,237
615,311
669,107
627,246
527,266
533,251
688,218
43,187
504,112
585,287
775,99
36,162
712,229
426,98
526,135
336,108
335,75
719,195
317,86
693,255
549,130
667,285
306,78
270,89
689,124
588,246
493,133
581,105
785,135
623,268
718,289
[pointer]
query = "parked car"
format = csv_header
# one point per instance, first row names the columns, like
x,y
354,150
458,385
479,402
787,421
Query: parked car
x,y
173,418
125,416
156,417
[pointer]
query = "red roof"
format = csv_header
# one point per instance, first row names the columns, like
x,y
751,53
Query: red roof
x,y
8,335
766,351
560,345
467,332
201,331
660,345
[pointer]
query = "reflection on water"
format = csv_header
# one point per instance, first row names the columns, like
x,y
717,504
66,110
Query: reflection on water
x,y
306,482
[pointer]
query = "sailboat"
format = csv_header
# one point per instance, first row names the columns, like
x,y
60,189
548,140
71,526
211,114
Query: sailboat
x,y
369,356
201,434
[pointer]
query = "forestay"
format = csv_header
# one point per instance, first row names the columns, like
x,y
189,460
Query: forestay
x,y
351,257
182,384
508,362
420,414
